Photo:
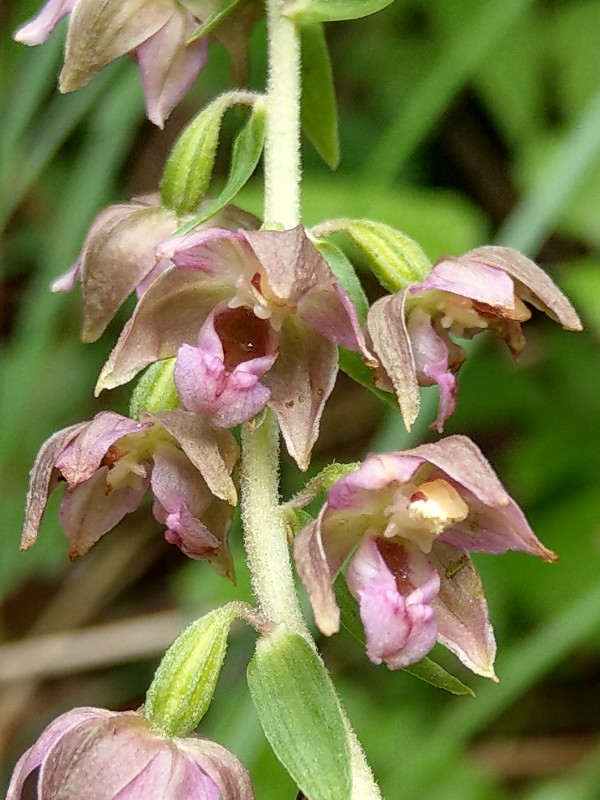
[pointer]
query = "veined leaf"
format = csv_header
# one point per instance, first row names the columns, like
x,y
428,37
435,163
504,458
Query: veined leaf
x,y
300,715
319,112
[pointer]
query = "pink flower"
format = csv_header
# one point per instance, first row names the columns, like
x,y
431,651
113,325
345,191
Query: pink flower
x,y
98,754
253,317
155,32
118,256
486,289
110,463
410,520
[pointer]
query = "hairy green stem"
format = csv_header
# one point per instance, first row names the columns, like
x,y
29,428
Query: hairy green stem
x,y
264,530
265,534
282,138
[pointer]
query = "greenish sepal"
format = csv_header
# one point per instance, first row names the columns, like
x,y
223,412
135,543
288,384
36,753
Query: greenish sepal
x,y
426,669
318,109
214,20
246,152
189,168
333,10
295,519
155,390
395,259
186,678
316,486
352,364
300,714
346,276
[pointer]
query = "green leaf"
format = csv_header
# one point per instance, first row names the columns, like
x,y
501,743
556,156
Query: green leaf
x,y
346,276
300,715
186,678
333,10
395,259
246,153
426,669
319,112
213,20
189,168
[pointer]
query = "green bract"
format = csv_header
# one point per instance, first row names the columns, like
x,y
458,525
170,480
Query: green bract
x,y
395,259
189,168
245,156
185,681
332,10
155,390
300,715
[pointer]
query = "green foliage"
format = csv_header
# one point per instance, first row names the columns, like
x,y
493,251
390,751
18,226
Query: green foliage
x,y
319,111
331,10
300,714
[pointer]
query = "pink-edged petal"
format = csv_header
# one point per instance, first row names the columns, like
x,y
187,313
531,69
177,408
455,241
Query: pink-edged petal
x,y
168,66
387,328
40,27
395,607
545,293
300,381
84,454
207,387
36,754
490,529
461,611
430,352
363,491
90,510
77,766
329,311
217,252
43,481
317,571
213,453
101,32
467,278
227,771
118,255
170,314
196,522
462,461
68,280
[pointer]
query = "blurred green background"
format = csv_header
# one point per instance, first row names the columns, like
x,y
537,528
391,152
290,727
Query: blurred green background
x,y
461,123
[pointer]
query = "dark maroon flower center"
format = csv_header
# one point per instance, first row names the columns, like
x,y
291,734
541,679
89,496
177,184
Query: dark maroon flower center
x,y
244,336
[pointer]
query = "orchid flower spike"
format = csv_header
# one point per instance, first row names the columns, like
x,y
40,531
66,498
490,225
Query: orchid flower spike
x,y
118,256
486,289
99,754
410,520
110,463
254,318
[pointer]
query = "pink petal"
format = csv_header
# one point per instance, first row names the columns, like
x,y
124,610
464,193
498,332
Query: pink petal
x,y
48,739
207,387
300,381
44,480
362,491
430,352
168,66
461,611
387,327
218,252
227,772
471,279
399,625
39,28
83,456
90,510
